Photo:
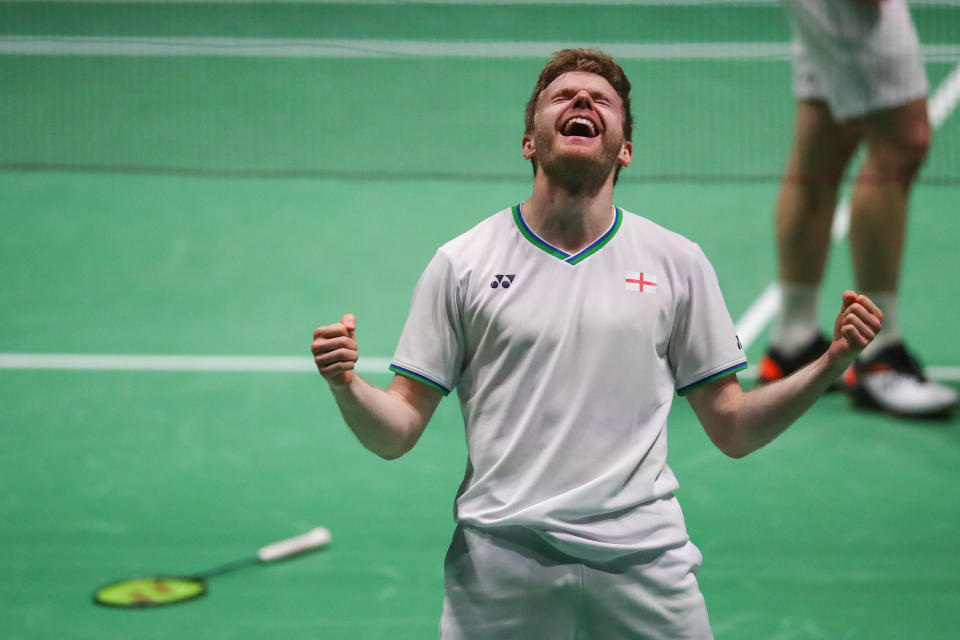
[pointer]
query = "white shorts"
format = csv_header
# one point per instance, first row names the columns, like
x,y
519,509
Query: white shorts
x,y
510,584
856,57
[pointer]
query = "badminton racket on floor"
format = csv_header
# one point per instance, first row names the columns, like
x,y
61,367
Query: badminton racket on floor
x,y
160,590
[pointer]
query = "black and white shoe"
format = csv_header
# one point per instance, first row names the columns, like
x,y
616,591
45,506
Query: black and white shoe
x,y
893,381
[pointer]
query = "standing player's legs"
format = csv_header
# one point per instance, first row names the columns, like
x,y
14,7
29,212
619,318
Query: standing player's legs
x,y
897,143
886,375
819,156
864,61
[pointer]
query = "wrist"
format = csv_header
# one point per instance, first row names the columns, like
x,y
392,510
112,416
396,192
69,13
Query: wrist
x,y
838,360
341,383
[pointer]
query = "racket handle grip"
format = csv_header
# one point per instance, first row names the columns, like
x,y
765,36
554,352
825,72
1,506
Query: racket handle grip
x,y
313,539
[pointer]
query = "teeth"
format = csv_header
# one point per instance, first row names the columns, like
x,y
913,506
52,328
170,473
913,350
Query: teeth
x,y
583,121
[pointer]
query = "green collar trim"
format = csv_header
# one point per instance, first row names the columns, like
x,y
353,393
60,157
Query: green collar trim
x,y
575,258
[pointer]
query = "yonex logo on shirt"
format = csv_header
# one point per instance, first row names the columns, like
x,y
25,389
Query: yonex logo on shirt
x,y
501,280
642,282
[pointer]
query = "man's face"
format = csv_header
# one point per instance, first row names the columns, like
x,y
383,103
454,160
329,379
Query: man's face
x,y
578,129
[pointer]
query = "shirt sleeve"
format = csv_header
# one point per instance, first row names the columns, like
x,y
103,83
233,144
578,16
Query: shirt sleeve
x,y
704,345
431,345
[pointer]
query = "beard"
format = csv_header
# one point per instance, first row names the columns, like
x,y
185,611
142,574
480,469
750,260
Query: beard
x,y
577,172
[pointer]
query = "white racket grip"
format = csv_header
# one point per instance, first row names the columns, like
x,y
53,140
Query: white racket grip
x,y
313,539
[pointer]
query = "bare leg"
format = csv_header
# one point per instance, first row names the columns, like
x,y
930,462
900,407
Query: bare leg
x,y
819,156
886,375
898,140
821,150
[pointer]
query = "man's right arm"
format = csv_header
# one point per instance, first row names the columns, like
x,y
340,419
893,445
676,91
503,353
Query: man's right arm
x,y
386,421
740,422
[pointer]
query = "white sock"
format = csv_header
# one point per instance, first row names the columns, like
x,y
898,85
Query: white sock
x,y
798,323
890,334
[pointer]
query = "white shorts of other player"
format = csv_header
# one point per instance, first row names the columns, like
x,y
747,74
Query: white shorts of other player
x,y
857,57
509,584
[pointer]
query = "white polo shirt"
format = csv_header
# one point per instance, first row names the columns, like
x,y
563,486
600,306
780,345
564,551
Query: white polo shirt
x,y
566,367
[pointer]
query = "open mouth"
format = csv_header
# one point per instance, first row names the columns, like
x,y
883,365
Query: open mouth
x,y
581,127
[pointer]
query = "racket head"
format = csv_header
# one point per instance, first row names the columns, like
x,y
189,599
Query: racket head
x,y
147,592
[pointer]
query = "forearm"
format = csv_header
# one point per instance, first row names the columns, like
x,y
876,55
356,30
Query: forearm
x,y
751,419
386,421
382,419
740,422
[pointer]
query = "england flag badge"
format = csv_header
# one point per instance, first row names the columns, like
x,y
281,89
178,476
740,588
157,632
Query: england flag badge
x,y
641,282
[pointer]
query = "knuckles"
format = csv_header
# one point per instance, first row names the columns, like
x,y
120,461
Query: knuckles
x,y
337,355
859,311
322,345
330,331
336,369
334,351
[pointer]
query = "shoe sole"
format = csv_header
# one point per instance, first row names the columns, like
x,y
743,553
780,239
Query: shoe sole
x,y
862,400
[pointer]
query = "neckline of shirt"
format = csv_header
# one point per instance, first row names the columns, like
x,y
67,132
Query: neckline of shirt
x,y
560,254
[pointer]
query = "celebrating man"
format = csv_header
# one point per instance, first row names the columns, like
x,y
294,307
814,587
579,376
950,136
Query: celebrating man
x,y
566,325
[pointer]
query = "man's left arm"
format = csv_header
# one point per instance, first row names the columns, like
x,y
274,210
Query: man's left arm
x,y
740,422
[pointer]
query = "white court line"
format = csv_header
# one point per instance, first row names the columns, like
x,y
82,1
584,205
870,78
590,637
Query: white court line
x,y
940,374
943,102
951,374
750,325
127,362
753,321
248,364
762,311
173,46
593,3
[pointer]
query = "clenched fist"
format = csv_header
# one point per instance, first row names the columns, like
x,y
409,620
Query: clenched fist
x,y
858,322
335,351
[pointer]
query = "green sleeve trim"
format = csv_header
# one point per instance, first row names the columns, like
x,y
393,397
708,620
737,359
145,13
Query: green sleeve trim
x,y
420,378
716,376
